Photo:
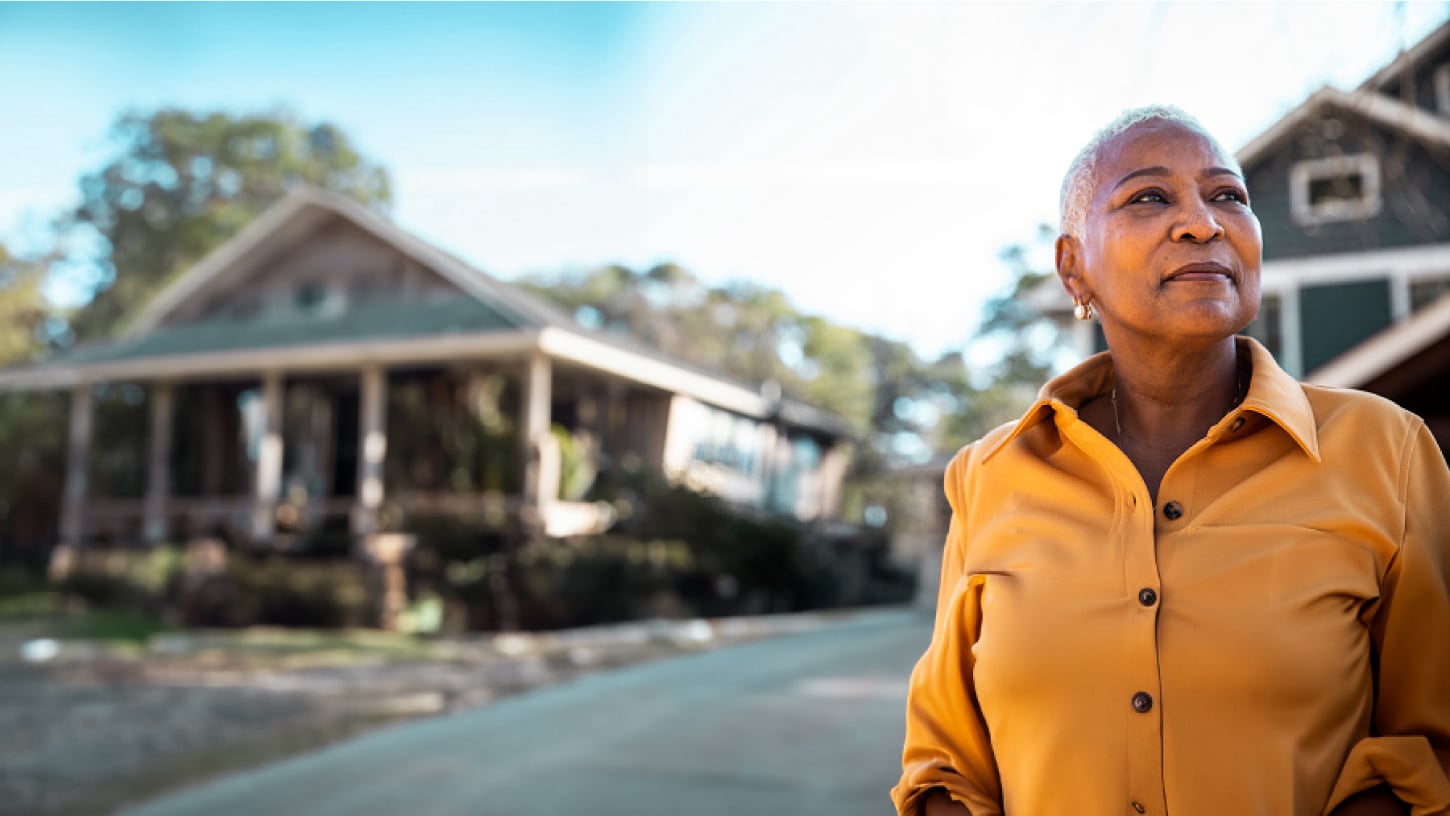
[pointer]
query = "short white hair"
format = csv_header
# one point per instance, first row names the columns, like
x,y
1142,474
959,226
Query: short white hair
x,y
1077,185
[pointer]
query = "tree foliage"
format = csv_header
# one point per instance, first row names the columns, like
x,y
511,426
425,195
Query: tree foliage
x,y
750,332
23,308
904,408
181,183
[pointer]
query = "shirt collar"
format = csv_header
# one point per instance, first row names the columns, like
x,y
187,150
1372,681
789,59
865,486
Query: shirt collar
x,y
1272,393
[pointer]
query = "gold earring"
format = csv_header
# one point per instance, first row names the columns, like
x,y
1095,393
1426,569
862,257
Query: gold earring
x,y
1083,310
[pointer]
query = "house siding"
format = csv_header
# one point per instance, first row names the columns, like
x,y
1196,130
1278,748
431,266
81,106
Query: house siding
x,y
1414,189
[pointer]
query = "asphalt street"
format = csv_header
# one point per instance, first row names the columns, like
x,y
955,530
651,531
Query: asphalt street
x,y
802,724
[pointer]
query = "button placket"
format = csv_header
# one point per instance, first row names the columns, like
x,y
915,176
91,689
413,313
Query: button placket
x,y
1144,727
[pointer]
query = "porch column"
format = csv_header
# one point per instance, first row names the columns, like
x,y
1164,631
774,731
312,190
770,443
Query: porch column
x,y
832,472
372,448
267,485
766,435
78,454
158,462
215,441
535,436
611,428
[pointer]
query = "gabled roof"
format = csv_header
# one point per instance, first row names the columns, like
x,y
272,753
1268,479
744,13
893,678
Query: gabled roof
x,y
1384,110
1407,60
491,318
301,210
369,320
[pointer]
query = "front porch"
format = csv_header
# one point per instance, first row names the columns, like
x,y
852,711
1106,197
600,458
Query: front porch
x,y
296,459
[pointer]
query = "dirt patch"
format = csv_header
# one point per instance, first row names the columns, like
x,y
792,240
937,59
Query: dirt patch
x,y
94,728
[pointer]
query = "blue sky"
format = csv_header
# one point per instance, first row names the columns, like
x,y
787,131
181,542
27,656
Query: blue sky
x,y
869,159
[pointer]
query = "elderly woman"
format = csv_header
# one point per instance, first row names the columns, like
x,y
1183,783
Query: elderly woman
x,y
1184,583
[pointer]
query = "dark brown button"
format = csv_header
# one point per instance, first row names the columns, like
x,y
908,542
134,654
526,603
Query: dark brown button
x,y
1142,702
1172,511
1238,423
1138,808
1147,597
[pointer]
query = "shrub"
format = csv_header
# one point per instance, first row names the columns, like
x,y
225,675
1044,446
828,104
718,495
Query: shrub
x,y
138,580
296,592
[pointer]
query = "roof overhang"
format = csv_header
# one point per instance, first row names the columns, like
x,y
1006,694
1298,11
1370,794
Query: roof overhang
x,y
589,352
1408,58
310,358
1377,107
1371,361
559,344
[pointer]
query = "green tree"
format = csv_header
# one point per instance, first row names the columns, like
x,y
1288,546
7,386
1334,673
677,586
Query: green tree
x,y
181,183
23,308
30,434
750,332
1027,343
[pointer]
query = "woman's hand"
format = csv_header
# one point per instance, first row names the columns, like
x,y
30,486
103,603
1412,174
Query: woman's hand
x,y
940,803
1378,801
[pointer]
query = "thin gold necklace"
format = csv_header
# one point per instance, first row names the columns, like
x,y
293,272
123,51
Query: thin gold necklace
x,y
1118,424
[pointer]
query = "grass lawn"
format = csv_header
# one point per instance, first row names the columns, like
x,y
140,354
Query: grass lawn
x,y
30,607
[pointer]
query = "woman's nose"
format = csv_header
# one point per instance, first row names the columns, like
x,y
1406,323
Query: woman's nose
x,y
1197,224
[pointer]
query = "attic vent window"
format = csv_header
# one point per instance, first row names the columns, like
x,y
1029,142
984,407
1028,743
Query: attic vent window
x,y
1338,188
317,299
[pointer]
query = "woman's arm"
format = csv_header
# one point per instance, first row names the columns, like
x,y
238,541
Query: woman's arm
x,y
1408,750
947,747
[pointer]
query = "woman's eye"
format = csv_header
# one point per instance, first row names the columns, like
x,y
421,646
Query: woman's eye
x,y
1152,196
1232,195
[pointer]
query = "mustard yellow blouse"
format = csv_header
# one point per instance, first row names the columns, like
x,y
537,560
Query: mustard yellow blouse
x,y
1271,638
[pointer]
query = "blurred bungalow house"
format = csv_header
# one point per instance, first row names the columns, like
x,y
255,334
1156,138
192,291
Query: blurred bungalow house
x,y
326,370
1353,193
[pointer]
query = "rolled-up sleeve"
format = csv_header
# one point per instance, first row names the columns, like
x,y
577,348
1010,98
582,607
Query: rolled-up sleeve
x,y
947,745
1409,748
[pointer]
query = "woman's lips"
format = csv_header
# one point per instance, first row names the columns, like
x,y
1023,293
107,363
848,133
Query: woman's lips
x,y
1211,272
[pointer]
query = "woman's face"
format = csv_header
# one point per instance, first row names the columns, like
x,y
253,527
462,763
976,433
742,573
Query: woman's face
x,y
1170,250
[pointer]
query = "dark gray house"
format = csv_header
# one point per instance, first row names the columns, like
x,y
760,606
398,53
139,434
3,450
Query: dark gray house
x,y
1353,191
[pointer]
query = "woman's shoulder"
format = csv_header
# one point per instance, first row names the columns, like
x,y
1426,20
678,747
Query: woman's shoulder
x,y
1361,427
1334,407
969,457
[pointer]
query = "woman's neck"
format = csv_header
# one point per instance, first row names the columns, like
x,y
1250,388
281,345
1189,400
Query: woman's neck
x,y
1165,399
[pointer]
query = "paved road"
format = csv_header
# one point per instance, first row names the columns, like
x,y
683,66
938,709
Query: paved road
x,y
799,725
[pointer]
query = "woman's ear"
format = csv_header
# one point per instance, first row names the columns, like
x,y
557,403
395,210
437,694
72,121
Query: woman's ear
x,y
1069,268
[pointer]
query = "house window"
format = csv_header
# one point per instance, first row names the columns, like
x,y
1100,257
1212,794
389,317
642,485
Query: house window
x,y
318,300
1338,188
1425,292
729,441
